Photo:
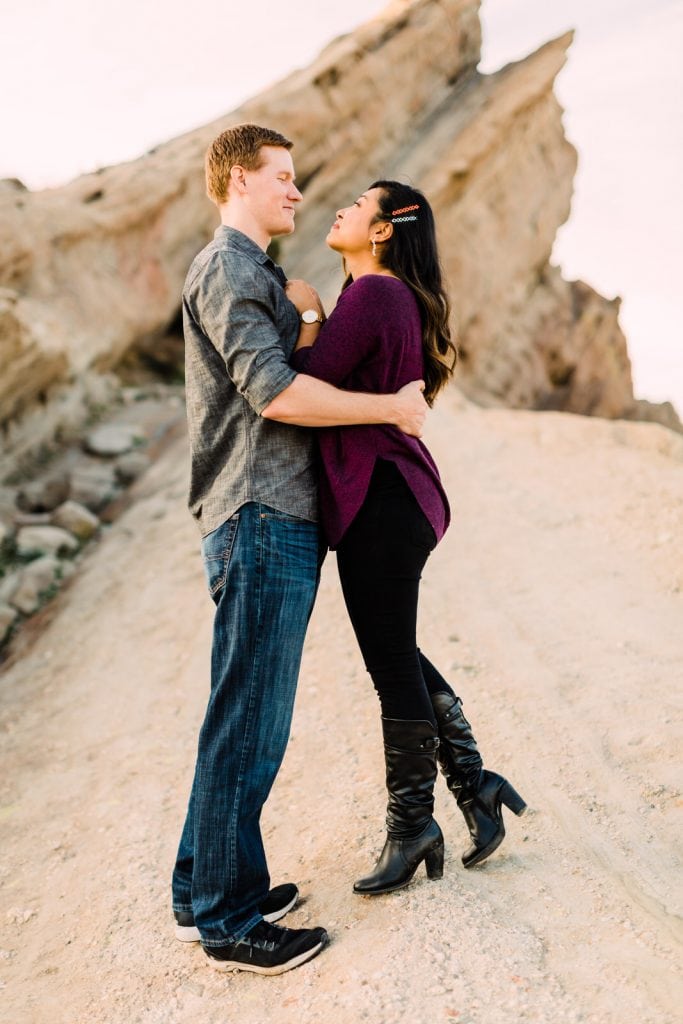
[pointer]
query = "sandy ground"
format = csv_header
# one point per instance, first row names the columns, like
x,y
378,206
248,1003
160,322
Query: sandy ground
x,y
555,605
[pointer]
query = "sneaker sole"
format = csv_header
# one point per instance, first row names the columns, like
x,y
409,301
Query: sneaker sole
x,y
275,915
236,965
190,933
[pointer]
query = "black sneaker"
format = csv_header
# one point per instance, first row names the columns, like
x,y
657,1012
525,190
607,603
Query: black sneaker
x,y
276,904
267,949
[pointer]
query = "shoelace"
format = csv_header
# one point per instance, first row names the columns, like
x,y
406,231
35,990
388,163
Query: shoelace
x,y
263,936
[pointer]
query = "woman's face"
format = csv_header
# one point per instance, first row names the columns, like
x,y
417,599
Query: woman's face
x,y
352,230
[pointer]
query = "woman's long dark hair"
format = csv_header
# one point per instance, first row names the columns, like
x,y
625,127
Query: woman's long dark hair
x,y
412,255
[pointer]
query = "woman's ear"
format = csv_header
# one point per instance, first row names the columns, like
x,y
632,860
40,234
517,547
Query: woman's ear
x,y
382,231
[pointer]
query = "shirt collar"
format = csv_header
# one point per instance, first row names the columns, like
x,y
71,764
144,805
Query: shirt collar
x,y
249,247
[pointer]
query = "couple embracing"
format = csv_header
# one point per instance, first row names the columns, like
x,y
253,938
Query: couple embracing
x,y
304,435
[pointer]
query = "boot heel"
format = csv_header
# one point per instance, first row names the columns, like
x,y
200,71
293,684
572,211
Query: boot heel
x,y
434,862
511,798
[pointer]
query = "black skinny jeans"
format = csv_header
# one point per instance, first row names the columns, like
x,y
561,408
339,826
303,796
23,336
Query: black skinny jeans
x,y
380,560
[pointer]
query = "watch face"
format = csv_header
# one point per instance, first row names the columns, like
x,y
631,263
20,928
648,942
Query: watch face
x,y
309,316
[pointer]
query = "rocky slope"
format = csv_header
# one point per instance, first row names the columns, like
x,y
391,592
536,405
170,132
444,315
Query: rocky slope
x,y
94,270
554,607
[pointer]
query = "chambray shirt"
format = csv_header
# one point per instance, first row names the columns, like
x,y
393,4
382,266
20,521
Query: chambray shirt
x,y
240,329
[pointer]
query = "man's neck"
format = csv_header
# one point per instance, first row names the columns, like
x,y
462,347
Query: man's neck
x,y
234,217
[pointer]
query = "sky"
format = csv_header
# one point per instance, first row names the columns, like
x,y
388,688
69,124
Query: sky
x,y
94,84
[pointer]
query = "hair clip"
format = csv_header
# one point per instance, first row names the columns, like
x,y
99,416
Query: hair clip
x,y
406,209
400,220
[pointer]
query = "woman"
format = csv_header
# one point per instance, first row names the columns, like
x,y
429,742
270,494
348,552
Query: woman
x,y
384,509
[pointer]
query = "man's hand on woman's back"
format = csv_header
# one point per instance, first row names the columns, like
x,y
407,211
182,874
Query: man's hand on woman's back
x,y
411,408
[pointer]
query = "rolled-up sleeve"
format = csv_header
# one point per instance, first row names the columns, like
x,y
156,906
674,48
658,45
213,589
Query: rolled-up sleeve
x,y
234,308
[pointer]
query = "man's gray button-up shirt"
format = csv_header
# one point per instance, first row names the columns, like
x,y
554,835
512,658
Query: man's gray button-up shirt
x,y
240,329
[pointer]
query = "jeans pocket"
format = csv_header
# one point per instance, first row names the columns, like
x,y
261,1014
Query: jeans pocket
x,y
216,551
291,545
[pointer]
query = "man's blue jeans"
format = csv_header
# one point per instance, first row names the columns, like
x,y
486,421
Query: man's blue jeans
x,y
262,569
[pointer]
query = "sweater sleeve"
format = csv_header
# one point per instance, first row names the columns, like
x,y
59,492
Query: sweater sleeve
x,y
347,338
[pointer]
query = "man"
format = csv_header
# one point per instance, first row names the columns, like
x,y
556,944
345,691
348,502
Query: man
x,y
253,495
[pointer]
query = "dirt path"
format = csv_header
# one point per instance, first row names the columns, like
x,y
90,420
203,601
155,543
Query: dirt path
x,y
555,604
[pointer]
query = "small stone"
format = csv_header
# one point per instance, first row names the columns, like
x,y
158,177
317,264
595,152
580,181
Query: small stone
x,y
113,439
15,915
43,495
36,580
8,617
32,519
132,465
77,519
93,485
45,540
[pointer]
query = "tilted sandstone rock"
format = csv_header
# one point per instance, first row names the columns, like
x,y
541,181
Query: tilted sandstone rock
x,y
498,169
95,269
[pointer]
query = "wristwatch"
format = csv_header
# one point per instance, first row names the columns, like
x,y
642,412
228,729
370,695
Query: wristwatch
x,y
311,316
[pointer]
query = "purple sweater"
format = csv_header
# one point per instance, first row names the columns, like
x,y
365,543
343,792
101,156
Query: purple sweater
x,y
371,342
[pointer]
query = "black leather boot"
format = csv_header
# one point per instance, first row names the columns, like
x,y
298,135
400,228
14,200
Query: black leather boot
x,y
479,793
412,834
481,809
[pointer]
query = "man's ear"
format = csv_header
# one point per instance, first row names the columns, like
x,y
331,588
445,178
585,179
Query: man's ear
x,y
238,178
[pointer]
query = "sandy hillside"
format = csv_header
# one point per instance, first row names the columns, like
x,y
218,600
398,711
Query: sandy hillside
x,y
555,604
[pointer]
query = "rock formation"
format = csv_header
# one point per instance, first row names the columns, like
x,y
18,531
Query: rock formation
x,y
92,271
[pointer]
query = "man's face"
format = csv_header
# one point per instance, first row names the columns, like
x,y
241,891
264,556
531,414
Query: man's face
x,y
271,194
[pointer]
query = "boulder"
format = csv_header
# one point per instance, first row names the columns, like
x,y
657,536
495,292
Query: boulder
x,y
132,465
93,484
77,519
37,581
43,494
655,412
46,540
113,439
32,519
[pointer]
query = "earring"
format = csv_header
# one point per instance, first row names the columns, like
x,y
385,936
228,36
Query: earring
x,y
374,248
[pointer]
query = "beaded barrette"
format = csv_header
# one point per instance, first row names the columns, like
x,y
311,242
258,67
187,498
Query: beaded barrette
x,y
396,219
